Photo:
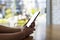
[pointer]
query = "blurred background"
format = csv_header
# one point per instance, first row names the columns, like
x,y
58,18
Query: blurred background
x,y
20,11
26,8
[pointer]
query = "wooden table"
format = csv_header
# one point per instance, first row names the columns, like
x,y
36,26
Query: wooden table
x,y
53,32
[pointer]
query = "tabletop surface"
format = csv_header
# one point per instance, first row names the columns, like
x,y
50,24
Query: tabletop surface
x,y
53,32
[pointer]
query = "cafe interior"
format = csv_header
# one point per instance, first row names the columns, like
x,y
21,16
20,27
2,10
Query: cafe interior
x,y
29,20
